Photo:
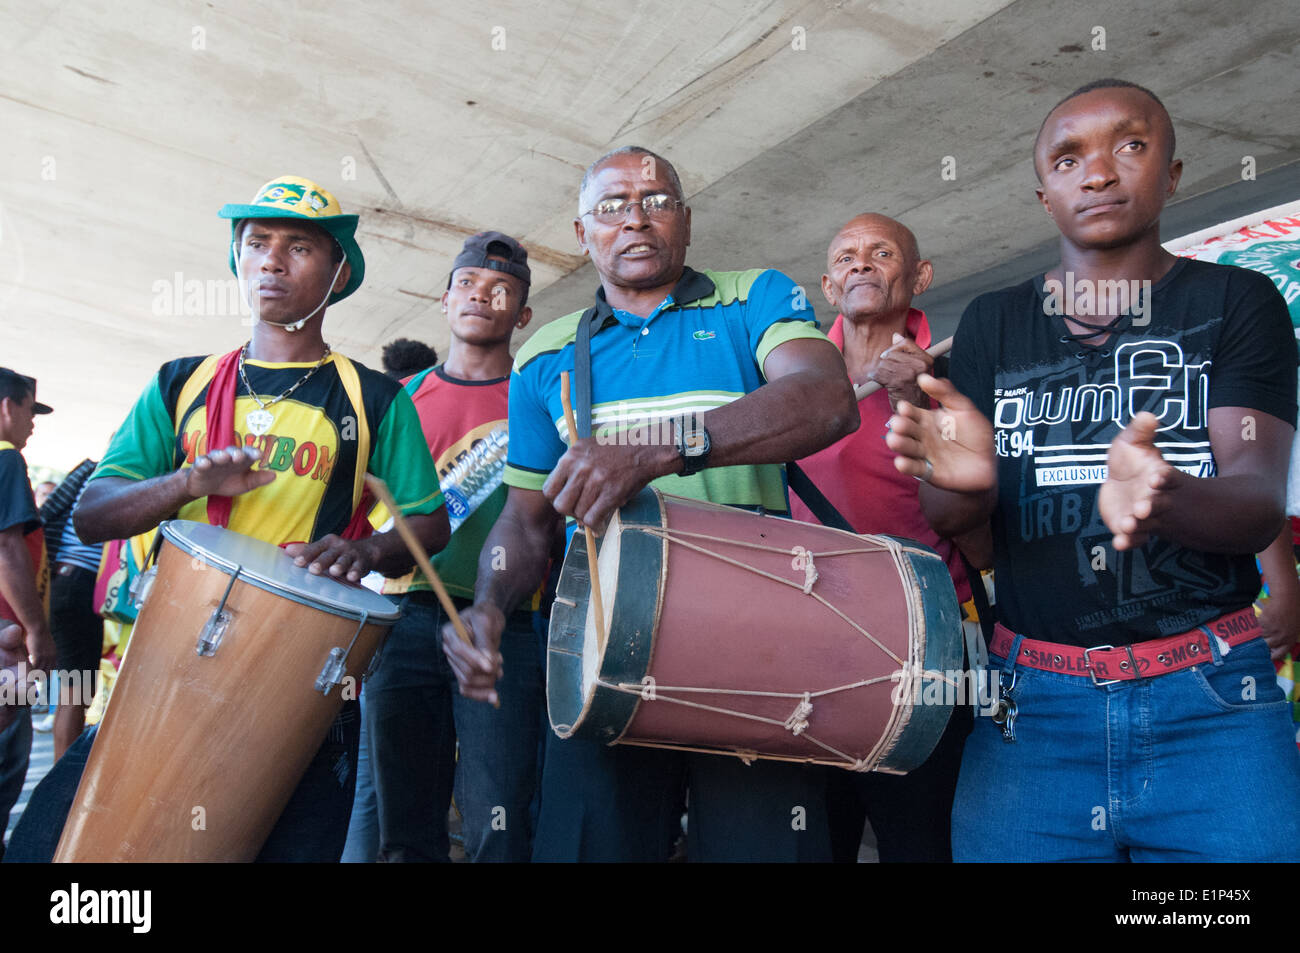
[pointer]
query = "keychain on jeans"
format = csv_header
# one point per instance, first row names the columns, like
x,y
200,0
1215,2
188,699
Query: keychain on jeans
x,y
1005,709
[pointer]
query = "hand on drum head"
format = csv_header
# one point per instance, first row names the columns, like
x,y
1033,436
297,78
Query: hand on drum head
x,y
479,666
227,472
333,555
950,447
592,479
13,670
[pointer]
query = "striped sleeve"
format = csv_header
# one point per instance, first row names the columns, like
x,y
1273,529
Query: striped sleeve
x,y
777,310
535,445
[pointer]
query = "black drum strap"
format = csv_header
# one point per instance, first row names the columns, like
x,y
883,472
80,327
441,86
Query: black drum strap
x,y
582,375
814,499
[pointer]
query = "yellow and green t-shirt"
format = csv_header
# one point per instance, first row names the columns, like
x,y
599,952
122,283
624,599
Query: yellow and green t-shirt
x,y
312,446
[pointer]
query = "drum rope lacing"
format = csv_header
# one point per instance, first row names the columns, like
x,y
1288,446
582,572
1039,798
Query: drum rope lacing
x,y
797,722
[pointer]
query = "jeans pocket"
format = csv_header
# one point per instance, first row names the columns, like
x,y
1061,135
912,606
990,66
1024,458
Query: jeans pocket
x,y
1246,681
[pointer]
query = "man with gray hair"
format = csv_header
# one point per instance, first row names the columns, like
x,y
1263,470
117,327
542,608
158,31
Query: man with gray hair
x,y
873,271
744,346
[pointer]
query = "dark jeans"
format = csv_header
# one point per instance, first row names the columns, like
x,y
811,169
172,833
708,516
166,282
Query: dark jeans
x,y
311,829
416,714
911,814
78,631
15,752
623,803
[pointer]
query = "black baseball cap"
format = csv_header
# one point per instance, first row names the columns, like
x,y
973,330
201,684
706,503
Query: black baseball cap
x,y
10,381
480,250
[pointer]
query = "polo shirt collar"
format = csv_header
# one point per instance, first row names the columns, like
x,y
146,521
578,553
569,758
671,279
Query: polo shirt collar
x,y
918,328
692,286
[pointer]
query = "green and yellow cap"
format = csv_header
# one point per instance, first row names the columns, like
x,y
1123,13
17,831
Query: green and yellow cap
x,y
289,196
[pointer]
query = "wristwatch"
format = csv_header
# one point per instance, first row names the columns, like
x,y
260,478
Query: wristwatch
x,y
693,446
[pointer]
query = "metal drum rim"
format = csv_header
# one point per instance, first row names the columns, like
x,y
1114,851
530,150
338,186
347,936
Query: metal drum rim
x,y
172,531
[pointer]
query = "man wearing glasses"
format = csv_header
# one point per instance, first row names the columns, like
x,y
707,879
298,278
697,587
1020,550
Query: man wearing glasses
x,y
735,361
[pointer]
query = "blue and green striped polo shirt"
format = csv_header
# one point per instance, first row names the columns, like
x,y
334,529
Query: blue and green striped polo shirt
x,y
703,347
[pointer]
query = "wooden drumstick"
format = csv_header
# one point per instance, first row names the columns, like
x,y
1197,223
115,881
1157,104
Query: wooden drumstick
x,y
870,387
380,489
596,601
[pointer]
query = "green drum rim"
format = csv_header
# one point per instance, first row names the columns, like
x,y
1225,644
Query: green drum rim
x,y
630,641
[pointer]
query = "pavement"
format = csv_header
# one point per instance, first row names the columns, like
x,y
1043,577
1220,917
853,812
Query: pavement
x,y
41,762
43,759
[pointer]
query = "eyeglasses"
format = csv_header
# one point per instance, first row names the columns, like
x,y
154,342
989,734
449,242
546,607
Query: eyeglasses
x,y
613,211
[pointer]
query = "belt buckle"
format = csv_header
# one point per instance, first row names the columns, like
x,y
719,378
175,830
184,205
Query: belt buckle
x,y
1087,663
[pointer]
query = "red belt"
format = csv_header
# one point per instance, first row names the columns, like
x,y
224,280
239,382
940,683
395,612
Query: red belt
x,y
1129,662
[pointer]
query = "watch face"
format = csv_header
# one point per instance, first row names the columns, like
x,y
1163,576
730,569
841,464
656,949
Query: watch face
x,y
696,442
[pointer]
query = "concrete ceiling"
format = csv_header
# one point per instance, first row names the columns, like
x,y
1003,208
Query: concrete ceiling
x,y
128,124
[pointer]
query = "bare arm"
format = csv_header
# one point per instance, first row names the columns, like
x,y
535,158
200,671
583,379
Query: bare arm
x,y
522,538
806,405
18,586
1237,511
511,566
118,508
14,670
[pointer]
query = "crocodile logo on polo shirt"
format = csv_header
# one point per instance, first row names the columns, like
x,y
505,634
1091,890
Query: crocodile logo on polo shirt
x,y
704,335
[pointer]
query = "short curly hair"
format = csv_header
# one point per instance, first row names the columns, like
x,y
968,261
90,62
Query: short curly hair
x,y
404,357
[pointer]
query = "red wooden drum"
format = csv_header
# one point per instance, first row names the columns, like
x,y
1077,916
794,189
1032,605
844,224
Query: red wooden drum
x,y
755,636
238,663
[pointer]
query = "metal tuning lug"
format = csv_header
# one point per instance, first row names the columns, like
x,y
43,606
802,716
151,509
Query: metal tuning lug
x,y
210,638
332,673
141,586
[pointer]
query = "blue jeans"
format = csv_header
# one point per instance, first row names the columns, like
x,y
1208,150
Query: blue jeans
x,y
311,829
1196,765
15,752
362,846
416,716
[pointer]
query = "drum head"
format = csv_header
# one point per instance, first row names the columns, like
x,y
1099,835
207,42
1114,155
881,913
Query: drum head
x,y
269,567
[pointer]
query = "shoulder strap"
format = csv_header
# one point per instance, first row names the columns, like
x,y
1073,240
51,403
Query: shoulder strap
x,y
352,384
193,386
582,375
814,499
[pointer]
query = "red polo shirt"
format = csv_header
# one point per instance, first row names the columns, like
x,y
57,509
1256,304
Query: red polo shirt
x,y
858,476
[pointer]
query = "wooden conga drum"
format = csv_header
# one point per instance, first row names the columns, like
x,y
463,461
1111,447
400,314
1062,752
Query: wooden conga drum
x,y
238,664
755,636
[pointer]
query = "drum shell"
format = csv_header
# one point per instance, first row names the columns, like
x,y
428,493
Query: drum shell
x,y
682,618
230,733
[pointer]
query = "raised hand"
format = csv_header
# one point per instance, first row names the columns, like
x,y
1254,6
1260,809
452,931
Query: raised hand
x,y
897,369
227,472
950,447
1138,484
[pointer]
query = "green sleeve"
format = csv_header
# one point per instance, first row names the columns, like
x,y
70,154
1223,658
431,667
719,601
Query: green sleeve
x,y
145,445
784,331
401,459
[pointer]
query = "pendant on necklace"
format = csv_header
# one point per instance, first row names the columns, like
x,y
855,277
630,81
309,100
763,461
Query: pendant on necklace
x,y
259,421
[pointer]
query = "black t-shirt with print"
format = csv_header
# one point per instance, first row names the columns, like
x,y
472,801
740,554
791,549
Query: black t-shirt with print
x,y
1206,336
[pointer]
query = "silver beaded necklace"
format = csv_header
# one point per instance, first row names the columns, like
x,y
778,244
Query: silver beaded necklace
x,y
261,420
